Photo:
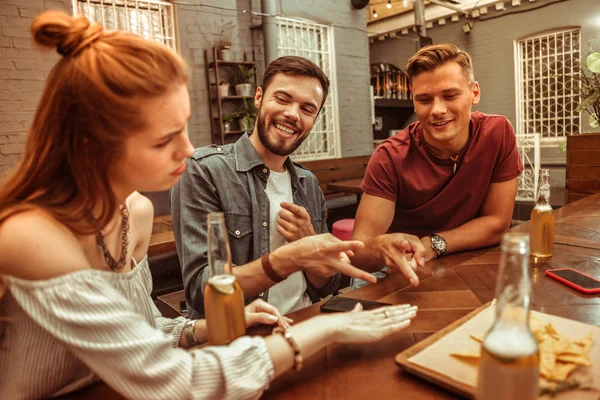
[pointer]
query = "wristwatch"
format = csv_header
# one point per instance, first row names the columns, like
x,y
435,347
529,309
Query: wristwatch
x,y
438,244
188,330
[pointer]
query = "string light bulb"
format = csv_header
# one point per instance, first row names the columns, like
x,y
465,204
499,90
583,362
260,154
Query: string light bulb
x,y
389,4
375,13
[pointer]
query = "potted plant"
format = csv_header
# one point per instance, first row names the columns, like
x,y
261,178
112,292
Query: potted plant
x,y
225,42
588,86
583,166
223,89
246,115
590,89
243,77
227,119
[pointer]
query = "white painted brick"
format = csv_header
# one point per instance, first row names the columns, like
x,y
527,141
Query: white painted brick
x,y
16,32
9,10
15,148
8,160
3,139
20,43
21,116
9,107
27,75
5,42
5,64
29,12
17,22
19,138
26,64
57,5
20,2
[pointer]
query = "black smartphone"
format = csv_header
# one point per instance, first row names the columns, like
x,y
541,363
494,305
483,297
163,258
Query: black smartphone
x,y
575,279
341,304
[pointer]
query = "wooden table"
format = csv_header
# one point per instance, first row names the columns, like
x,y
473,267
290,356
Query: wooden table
x,y
450,288
162,240
348,186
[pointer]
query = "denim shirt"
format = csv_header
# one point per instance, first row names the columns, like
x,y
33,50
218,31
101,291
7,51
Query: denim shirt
x,y
232,179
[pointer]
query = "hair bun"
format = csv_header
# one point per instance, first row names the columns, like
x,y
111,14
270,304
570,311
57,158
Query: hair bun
x,y
70,35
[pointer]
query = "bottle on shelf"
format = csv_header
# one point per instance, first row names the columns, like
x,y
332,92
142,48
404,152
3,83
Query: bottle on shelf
x,y
509,367
542,220
223,296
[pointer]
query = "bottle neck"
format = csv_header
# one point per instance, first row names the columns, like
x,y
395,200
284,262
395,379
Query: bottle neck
x,y
543,189
219,255
513,290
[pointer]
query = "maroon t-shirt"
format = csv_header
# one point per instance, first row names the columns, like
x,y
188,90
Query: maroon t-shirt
x,y
429,197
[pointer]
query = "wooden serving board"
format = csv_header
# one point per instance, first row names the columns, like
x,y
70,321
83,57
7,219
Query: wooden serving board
x,y
432,376
431,360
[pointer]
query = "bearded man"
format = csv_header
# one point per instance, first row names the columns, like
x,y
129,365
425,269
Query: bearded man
x,y
268,200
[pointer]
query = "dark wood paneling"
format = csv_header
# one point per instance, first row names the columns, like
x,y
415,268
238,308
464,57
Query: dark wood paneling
x,y
583,142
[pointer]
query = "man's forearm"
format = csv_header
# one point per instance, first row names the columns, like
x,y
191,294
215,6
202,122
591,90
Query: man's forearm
x,y
252,278
479,232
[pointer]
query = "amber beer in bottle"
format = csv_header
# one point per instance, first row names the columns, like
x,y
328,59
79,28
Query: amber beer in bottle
x,y
223,296
509,367
542,220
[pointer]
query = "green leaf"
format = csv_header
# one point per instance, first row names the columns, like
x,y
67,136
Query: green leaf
x,y
562,147
594,122
588,101
593,62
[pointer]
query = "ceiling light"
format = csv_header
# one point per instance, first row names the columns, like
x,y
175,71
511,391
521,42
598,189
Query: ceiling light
x,y
374,13
389,4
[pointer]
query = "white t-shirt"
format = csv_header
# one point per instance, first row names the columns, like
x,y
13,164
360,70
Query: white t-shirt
x,y
289,295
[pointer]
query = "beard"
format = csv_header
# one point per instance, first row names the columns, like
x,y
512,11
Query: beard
x,y
276,145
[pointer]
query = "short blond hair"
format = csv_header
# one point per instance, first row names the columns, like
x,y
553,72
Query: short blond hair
x,y
431,57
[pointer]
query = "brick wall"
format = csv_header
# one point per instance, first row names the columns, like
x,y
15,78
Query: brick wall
x,y
352,67
23,70
199,29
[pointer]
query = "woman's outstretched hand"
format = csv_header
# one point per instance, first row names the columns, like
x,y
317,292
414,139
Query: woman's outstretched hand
x,y
360,326
261,312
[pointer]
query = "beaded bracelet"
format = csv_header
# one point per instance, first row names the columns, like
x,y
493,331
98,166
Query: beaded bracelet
x,y
298,360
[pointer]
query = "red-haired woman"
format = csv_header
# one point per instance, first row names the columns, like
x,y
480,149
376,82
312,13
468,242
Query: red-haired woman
x,y
74,235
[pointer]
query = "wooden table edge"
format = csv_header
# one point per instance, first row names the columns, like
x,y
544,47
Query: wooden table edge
x,y
432,376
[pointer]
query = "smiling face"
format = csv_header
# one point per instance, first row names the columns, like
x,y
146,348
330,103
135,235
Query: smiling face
x,y
443,99
153,159
287,111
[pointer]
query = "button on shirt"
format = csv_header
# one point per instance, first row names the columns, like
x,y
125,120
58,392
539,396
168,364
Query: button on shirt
x,y
233,181
289,295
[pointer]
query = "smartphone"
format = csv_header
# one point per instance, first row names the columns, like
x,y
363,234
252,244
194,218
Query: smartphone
x,y
577,280
341,304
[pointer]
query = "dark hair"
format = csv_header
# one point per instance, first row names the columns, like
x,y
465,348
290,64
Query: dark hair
x,y
294,65
434,56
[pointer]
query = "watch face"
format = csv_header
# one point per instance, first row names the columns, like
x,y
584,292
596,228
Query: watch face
x,y
439,244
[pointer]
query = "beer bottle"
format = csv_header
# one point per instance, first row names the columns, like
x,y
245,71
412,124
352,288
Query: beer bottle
x,y
223,296
509,367
542,220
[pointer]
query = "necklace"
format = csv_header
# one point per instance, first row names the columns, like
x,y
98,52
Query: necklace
x,y
108,258
455,159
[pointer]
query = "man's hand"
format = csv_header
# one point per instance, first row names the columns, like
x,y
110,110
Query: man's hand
x,y
294,222
429,254
322,255
402,252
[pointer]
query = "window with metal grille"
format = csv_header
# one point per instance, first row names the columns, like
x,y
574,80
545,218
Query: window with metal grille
x,y
151,19
315,42
547,95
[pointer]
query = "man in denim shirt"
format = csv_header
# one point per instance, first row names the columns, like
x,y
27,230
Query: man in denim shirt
x,y
268,201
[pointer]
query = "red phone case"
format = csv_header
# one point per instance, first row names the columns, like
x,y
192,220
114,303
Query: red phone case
x,y
571,284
